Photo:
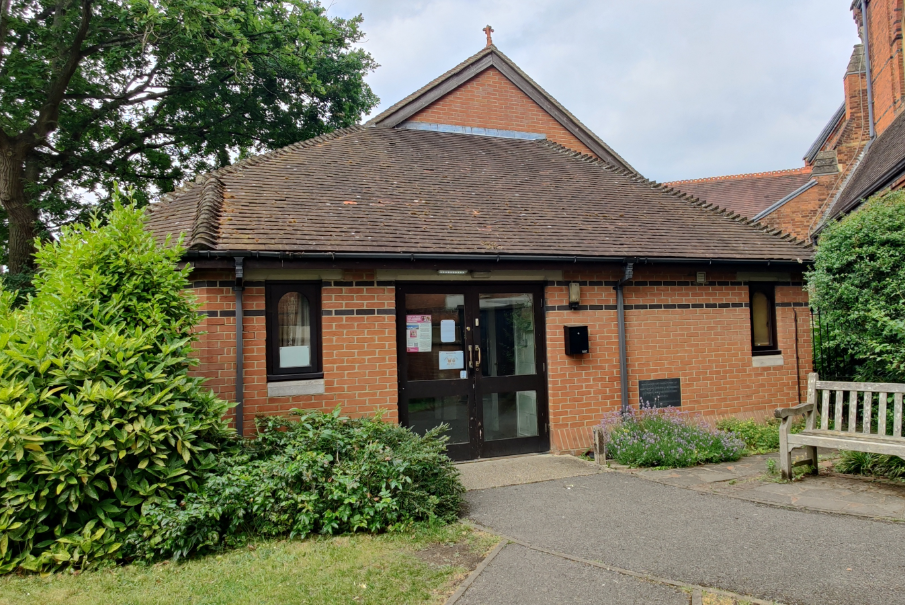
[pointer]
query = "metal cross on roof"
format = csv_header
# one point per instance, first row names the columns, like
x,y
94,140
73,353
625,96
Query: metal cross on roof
x,y
488,30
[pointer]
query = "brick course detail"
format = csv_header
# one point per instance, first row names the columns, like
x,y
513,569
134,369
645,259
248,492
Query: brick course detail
x,y
675,328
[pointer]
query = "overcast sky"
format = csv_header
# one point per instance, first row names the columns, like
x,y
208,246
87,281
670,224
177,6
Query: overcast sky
x,y
679,88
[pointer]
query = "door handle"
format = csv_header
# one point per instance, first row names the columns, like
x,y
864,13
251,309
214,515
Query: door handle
x,y
477,349
470,362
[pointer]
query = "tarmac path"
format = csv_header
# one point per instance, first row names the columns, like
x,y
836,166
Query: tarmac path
x,y
700,539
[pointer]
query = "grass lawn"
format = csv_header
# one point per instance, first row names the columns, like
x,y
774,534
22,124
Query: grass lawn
x,y
419,566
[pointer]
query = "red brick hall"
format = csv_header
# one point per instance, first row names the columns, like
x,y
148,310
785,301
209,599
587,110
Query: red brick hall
x,y
476,256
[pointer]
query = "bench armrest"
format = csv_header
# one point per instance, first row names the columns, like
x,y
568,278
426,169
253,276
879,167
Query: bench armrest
x,y
798,410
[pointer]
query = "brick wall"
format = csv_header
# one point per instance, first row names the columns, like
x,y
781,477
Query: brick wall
x,y
886,59
699,333
798,215
490,100
358,343
704,341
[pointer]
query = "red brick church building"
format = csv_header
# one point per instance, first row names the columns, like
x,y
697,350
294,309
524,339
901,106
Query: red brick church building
x,y
476,256
859,152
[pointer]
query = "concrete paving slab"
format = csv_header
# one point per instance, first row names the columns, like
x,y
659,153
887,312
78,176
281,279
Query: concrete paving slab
x,y
522,576
749,479
519,470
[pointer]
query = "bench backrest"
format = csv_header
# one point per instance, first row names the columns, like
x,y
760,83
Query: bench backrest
x,y
830,398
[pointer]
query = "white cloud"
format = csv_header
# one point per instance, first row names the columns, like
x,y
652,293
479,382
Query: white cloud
x,y
681,89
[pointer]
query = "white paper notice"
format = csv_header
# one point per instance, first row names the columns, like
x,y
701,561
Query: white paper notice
x,y
418,333
447,330
452,360
463,374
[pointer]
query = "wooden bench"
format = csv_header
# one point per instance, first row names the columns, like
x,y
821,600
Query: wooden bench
x,y
874,435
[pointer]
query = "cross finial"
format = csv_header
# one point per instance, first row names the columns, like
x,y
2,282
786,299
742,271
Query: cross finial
x,y
488,30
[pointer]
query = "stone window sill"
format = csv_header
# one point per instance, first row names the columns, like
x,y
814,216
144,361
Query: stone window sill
x,y
766,361
287,388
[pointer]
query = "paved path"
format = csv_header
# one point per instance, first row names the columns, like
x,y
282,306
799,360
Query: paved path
x,y
518,470
829,492
522,576
682,535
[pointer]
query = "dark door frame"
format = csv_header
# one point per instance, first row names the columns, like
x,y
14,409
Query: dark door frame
x,y
476,385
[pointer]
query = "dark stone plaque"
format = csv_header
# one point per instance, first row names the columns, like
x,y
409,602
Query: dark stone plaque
x,y
665,393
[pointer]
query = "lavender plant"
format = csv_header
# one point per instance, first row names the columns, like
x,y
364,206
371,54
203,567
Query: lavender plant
x,y
666,437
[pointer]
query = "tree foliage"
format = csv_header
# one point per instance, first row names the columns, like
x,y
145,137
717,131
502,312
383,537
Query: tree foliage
x,y
98,415
858,283
152,92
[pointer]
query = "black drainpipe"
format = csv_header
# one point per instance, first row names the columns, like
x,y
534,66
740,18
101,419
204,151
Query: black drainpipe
x,y
870,87
240,384
623,356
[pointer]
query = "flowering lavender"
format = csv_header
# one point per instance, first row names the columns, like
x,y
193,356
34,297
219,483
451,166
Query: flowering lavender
x,y
652,436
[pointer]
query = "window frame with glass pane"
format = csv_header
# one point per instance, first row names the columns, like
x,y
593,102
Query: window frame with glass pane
x,y
276,292
768,291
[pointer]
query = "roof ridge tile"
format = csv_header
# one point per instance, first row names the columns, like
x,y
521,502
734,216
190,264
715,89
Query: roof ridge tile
x,y
741,219
206,227
731,177
665,187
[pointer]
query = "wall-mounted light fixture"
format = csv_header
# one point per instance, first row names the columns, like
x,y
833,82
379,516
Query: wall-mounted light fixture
x,y
452,271
574,295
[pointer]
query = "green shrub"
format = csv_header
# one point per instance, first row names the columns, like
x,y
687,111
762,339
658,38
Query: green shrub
x,y
320,474
666,438
98,416
20,285
858,282
759,437
865,463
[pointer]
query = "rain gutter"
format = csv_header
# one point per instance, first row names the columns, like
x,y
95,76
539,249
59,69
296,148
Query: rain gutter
x,y
414,257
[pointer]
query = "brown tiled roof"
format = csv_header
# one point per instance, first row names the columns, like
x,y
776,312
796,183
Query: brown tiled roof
x,y
375,189
471,67
883,162
746,194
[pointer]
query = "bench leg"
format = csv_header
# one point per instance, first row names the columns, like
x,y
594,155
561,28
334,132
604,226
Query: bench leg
x,y
599,447
812,456
785,452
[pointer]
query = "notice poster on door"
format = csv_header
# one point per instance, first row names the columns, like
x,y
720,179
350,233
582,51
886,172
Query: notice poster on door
x,y
418,333
447,330
452,360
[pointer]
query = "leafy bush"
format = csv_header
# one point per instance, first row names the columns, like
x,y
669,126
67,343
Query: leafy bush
x,y
858,282
865,463
323,473
759,437
19,284
98,416
666,437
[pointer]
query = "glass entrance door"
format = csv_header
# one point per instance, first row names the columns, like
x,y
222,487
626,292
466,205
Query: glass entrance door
x,y
473,358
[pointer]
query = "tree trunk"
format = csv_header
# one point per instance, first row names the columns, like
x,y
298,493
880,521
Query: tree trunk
x,y
22,217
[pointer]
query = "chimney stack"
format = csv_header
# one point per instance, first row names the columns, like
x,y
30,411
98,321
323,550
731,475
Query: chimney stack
x,y
856,87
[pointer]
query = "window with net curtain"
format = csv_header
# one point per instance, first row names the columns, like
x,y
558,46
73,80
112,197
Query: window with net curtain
x,y
294,331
